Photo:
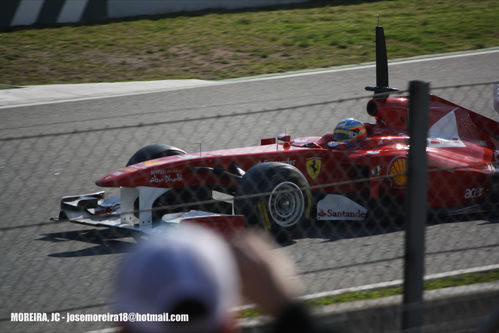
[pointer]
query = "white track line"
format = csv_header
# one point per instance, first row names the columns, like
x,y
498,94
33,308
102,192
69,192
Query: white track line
x,y
394,283
262,78
77,98
370,65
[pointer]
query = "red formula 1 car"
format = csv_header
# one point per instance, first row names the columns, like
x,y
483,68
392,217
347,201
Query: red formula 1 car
x,y
345,175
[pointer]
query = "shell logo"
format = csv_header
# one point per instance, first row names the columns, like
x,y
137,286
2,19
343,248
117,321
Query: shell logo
x,y
398,171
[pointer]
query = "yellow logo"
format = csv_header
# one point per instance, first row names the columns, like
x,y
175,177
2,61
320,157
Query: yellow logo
x,y
398,171
314,167
152,162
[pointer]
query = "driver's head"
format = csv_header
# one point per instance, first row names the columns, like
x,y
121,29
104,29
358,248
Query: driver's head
x,y
349,130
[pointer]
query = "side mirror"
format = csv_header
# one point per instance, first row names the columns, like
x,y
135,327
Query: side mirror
x,y
337,145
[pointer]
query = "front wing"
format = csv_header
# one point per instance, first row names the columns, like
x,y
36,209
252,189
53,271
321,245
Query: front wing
x,y
96,210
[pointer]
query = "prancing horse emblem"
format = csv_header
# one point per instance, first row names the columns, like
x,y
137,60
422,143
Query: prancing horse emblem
x,y
314,167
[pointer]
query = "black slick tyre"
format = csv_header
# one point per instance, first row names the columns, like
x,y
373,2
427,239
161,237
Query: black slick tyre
x,y
153,151
274,196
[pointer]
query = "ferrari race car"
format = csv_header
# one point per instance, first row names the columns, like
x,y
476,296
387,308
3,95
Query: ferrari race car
x,y
286,182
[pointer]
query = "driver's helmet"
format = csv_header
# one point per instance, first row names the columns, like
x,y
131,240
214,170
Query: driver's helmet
x,y
349,130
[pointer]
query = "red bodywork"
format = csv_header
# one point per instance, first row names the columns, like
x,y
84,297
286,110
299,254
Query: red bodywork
x,y
463,154
227,226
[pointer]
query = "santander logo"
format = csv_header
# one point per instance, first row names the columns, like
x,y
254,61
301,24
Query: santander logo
x,y
357,214
338,207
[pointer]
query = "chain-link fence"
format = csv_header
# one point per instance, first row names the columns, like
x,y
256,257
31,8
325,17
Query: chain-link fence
x,y
335,203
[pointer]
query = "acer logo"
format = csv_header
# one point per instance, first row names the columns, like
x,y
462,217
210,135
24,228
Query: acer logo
x,y
472,193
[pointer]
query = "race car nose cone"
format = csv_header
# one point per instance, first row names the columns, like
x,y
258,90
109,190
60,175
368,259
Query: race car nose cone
x,y
122,177
107,181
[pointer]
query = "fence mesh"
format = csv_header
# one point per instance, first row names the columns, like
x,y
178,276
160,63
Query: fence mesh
x,y
64,267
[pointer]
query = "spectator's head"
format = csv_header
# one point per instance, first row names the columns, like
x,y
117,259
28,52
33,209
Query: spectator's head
x,y
190,271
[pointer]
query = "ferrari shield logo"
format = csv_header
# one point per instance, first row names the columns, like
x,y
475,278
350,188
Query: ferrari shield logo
x,y
314,167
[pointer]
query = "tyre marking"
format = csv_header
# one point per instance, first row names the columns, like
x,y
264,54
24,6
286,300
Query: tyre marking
x,y
263,213
306,192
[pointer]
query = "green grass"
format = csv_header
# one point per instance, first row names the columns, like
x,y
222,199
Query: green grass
x,y
455,281
222,45
6,86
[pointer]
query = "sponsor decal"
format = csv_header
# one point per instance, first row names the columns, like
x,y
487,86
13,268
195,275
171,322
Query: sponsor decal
x,y
164,172
445,143
313,167
140,166
152,162
342,215
301,140
130,169
397,171
473,193
165,176
188,156
373,152
288,161
376,171
444,133
338,207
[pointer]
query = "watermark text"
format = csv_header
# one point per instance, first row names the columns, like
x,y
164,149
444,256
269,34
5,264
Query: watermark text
x,y
97,317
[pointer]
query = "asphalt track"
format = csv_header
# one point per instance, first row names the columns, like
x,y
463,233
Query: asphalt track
x,y
61,267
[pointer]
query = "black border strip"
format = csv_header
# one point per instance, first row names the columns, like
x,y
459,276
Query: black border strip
x,y
8,10
50,11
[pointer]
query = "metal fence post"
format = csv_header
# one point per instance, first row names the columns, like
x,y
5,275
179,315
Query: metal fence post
x,y
412,312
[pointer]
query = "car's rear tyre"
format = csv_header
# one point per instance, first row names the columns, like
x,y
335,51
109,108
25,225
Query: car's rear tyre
x,y
274,196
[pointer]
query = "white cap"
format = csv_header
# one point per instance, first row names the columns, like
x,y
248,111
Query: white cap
x,y
191,264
